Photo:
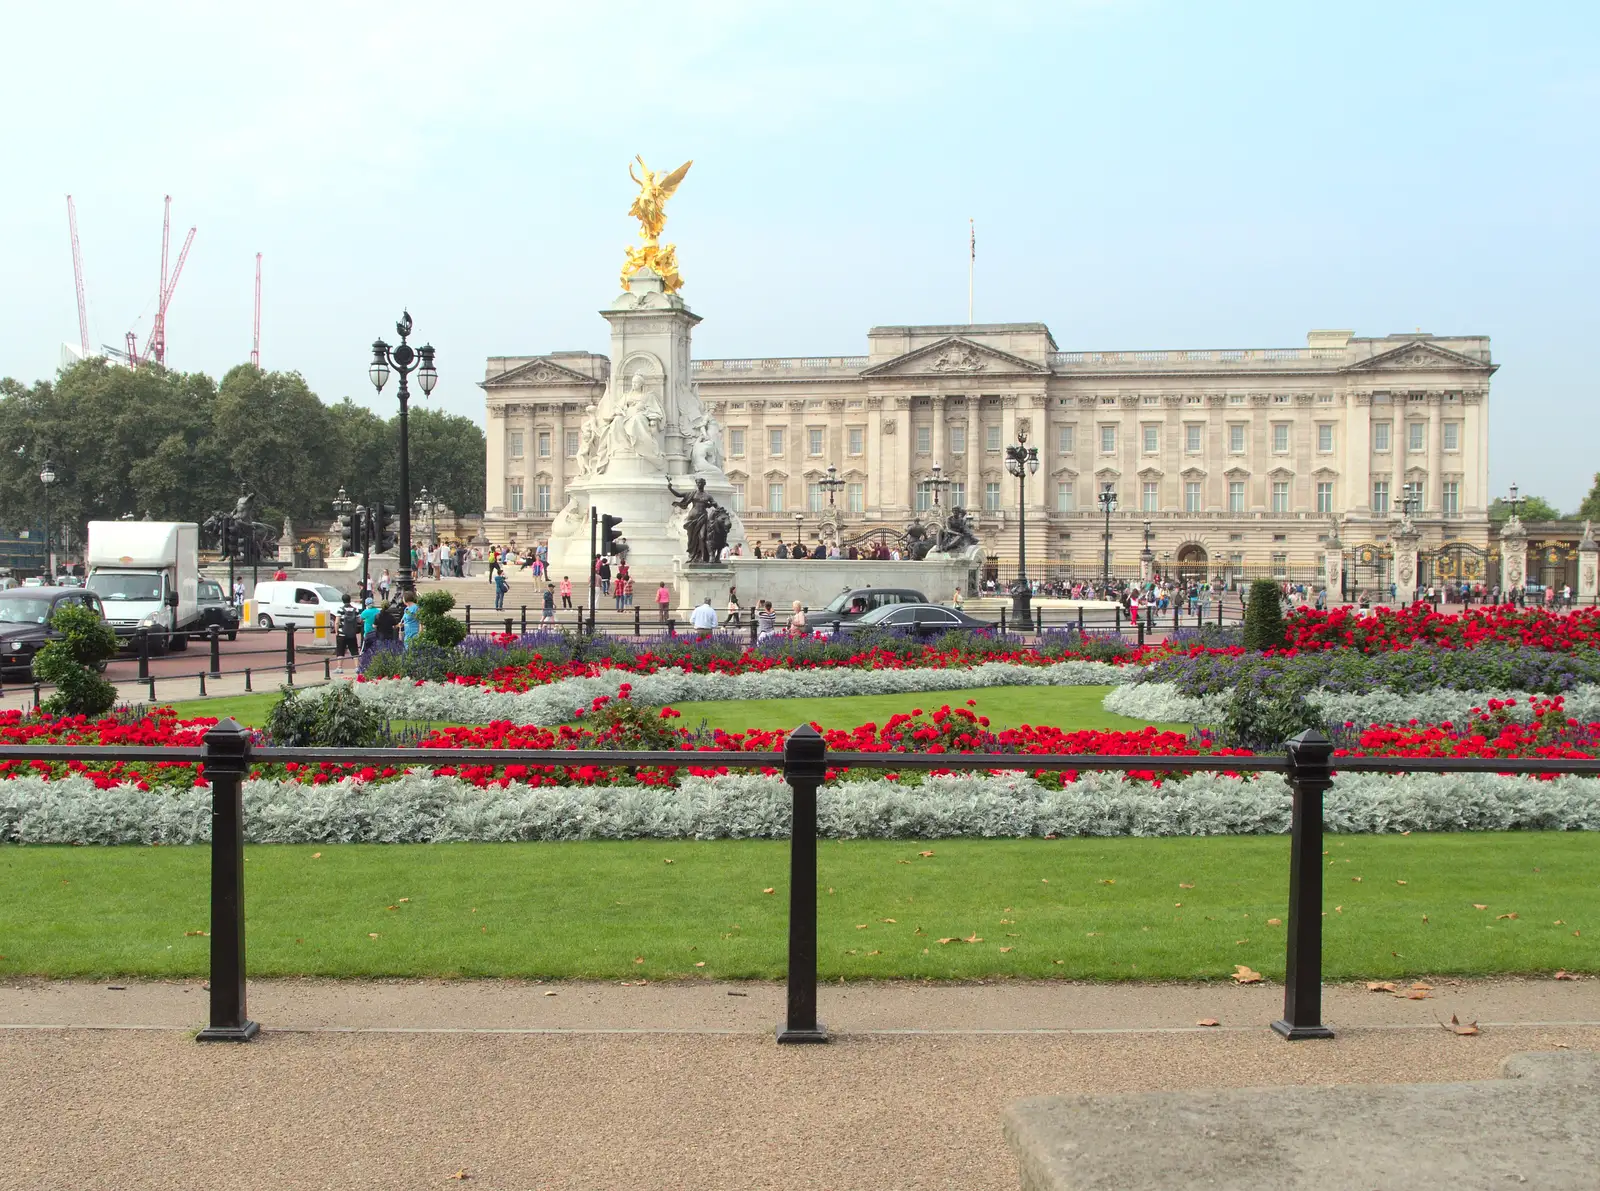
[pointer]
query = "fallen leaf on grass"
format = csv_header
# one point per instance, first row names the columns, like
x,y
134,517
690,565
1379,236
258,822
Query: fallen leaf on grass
x,y
1208,1021
1185,885
371,935
950,940
874,953
700,963
1564,975
189,934
1274,921
404,900
1244,975
1108,881
924,854
1561,921
1424,918
1456,1026
638,959
861,926
1498,917
1240,942
1090,933
886,920
1044,880
1399,882
1479,906
768,889
1380,986
391,907
665,861
972,938
1357,880
1177,905
1338,909
1005,949
316,855
1058,961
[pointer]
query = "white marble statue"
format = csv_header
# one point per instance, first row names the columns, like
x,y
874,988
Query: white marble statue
x,y
705,451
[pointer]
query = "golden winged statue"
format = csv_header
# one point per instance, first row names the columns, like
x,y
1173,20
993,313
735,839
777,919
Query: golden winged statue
x,y
650,209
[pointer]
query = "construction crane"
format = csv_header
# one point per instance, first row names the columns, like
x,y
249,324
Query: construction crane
x,y
255,349
77,276
155,347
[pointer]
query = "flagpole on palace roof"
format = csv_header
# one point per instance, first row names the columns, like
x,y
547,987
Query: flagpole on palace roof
x,y
972,257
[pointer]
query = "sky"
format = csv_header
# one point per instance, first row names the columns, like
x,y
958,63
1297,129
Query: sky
x,y
1142,173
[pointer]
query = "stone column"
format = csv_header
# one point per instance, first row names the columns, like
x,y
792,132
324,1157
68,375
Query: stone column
x,y
494,496
1333,571
1433,490
898,492
1513,556
873,493
938,402
1358,452
558,459
1405,562
975,450
1588,568
1008,436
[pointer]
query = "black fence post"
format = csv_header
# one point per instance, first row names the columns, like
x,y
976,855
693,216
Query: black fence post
x,y
227,761
1117,618
755,631
1002,618
805,762
288,652
1175,598
1140,625
508,626
1309,776
672,628
469,617
524,621
1080,620
1219,611
36,694
216,651
1038,619
638,631
143,646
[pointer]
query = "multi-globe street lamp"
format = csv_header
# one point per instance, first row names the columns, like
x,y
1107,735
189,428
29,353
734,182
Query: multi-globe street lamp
x,y
1515,502
429,504
1147,560
939,483
1022,461
1108,502
831,483
47,477
404,359
799,533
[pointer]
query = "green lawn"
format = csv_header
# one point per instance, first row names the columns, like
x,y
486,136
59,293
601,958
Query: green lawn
x,y
1103,908
249,710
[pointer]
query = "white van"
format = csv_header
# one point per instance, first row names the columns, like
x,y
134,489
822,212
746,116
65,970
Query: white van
x,y
279,602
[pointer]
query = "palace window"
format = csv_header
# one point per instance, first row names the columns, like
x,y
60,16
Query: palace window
x,y
858,438
1236,559
958,496
736,441
924,439
1236,438
572,443
991,438
1324,437
775,497
1324,496
991,497
814,497
1380,436
541,498
1452,436
923,500
1191,496
1450,498
1151,496
1152,439
1380,496
775,441
1415,436
1235,496
738,498
1280,565
1280,437
1066,437
814,440
958,440
1108,440
544,444
855,498
1066,497
516,496
1191,438
1280,496
516,444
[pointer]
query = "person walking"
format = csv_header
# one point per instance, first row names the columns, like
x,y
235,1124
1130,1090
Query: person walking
x,y
627,592
369,621
603,569
566,591
704,619
549,604
386,623
733,607
500,589
346,644
663,600
797,620
766,620
619,587
410,625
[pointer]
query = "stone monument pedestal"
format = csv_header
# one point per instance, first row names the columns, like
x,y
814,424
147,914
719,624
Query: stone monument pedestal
x,y
693,582
1405,563
1588,570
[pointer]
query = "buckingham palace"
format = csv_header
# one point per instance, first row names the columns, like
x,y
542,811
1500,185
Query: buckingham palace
x,y
1223,463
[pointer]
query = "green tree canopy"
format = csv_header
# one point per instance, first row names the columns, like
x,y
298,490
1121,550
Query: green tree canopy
x,y
1534,508
1590,508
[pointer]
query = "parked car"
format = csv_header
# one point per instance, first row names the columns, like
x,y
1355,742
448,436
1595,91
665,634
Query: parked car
x,y
852,603
215,609
281,602
25,614
925,620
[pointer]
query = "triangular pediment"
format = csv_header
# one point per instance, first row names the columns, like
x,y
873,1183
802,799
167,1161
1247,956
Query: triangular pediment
x,y
956,355
1420,355
539,372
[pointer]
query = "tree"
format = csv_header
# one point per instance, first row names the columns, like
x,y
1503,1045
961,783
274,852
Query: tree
x,y
448,457
1589,510
276,437
1263,616
73,662
1534,508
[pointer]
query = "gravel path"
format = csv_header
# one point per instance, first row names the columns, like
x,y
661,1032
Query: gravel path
x,y
307,1108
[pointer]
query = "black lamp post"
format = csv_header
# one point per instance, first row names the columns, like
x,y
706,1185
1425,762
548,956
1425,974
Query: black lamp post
x,y
831,484
1108,502
429,504
1515,502
938,483
1146,558
47,477
404,360
799,532
1022,461
1411,499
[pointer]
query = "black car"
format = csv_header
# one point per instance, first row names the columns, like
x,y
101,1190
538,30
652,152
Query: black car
x,y
852,603
25,614
215,609
925,620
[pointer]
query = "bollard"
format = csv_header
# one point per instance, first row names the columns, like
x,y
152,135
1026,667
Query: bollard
x,y
805,762
247,685
754,631
36,693
152,681
1116,617
469,617
1140,623
288,652
524,621
142,643
1080,620
1038,621
508,626
216,651
202,684
672,628
327,669
1309,776
227,761
1174,613
1219,612
637,631
1002,618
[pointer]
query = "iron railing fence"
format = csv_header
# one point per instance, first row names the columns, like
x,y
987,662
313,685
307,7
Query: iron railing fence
x,y
1307,765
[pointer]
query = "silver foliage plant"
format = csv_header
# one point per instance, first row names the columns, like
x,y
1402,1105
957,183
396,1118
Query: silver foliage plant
x,y
421,808
1161,701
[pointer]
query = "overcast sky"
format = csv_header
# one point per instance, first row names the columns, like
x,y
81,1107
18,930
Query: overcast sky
x,y
1177,174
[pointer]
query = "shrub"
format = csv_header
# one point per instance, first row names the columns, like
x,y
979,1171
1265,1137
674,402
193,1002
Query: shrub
x,y
1263,617
1262,721
338,718
438,626
73,663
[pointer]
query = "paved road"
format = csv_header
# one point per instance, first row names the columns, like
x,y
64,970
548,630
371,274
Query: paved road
x,y
149,1108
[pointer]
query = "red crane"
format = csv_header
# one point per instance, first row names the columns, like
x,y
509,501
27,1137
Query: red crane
x,y
255,349
155,347
77,276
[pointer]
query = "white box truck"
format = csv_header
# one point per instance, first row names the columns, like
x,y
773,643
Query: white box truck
x,y
146,574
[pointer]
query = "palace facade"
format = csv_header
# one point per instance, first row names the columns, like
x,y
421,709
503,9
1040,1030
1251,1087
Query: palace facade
x,y
1223,463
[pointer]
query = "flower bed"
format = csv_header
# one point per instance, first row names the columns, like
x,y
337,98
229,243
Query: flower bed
x,y
1387,629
